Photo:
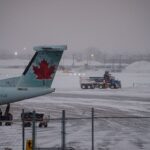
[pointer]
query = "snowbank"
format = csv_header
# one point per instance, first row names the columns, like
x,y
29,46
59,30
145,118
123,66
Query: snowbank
x,y
13,63
138,67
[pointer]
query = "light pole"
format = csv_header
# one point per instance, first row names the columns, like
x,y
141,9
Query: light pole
x,y
92,58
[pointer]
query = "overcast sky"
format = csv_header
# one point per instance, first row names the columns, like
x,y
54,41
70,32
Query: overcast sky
x,y
105,24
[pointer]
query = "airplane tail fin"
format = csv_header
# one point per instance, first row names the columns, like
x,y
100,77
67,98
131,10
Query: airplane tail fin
x,y
41,69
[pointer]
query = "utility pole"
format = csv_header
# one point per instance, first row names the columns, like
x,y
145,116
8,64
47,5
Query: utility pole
x,y
33,131
92,128
23,132
63,130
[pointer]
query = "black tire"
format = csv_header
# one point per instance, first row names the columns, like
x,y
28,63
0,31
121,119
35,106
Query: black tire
x,y
8,117
7,123
83,86
89,86
45,125
100,86
40,125
27,124
113,87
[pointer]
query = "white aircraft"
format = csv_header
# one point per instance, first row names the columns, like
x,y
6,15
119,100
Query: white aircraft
x,y
36,79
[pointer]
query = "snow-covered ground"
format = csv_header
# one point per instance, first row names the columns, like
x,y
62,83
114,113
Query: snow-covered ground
x,y
110,134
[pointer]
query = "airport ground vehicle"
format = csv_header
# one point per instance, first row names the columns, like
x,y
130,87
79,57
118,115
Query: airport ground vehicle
x,y
99,82
27,117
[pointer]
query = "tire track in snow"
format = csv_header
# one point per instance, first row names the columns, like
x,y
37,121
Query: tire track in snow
x,y
104,97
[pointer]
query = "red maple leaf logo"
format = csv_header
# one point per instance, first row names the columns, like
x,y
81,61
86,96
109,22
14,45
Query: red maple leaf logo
x,y
44,71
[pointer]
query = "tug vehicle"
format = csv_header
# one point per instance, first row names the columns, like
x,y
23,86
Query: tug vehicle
x,y
27,118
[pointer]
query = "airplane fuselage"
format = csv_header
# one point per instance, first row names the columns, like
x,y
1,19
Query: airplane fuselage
x,y
14,94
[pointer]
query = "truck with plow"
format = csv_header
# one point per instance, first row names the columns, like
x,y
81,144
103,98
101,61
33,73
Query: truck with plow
x,y
107,81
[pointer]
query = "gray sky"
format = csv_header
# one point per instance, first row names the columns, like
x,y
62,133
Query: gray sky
x,y
106,24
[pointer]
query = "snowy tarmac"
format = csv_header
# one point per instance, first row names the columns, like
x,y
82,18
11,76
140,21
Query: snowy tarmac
x,y
110,133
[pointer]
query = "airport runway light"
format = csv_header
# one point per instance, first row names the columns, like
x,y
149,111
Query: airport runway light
x,y
24,48
92,55
16,53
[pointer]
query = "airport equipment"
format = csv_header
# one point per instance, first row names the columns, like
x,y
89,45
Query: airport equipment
x,y
27,117
99,82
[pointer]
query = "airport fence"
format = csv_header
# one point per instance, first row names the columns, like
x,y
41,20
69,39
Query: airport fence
x,y
69,133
